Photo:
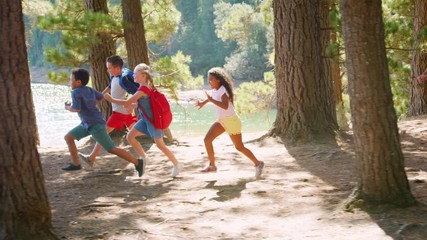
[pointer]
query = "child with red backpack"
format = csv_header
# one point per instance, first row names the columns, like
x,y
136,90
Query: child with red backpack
x,y
144,98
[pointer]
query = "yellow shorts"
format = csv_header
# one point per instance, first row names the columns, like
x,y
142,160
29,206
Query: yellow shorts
x,y
232,125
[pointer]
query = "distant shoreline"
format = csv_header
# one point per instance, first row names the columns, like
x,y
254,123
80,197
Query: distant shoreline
x,y
39,75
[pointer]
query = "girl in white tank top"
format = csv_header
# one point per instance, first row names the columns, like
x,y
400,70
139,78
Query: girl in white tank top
x,y
227,119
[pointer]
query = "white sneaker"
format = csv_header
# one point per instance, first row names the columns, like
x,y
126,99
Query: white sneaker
x,y
259,168
176,169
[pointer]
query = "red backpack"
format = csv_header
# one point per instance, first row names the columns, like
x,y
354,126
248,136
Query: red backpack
x,y
160,107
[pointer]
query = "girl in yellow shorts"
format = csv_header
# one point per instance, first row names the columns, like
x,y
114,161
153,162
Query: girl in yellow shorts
x,y
227,119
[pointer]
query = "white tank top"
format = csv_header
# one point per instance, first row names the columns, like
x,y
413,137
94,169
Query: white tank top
x,y
220,112
119,93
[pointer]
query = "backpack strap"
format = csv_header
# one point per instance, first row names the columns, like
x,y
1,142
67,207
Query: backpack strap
x,y
148,92
146,115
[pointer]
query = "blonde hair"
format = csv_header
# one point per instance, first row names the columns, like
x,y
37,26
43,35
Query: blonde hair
x,y
224,79
144,68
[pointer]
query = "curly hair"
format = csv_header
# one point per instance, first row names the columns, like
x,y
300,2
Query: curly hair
x,y
81,74
224,79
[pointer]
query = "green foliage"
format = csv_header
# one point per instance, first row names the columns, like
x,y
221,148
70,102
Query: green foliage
x,y
265,8
79,30
334,17
398,25
232,21
161,19
59,77
253,97
37,40
175,73
196,36
246,26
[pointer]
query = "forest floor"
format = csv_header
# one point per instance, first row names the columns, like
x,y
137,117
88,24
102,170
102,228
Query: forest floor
x,y
301,194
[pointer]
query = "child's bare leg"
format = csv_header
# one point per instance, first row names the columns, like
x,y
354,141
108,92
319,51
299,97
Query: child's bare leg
x,y
168,134
124,155
237,141
215,130
97,149
131,138
69,139
162,146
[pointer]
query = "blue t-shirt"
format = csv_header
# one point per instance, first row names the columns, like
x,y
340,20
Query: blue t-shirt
x,y
84,99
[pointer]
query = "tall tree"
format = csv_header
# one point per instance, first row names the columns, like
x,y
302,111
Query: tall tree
x,y
325,38
24,207
303,110
418,94
330,27
378,152
134,31
100,48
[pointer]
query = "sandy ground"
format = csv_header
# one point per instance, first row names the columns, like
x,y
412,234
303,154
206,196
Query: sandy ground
x,y
300,195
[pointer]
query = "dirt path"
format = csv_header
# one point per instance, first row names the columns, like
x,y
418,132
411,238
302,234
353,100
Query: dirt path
x,y
299,197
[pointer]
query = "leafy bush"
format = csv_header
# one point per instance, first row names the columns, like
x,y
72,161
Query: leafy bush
x,y
174,73
253,97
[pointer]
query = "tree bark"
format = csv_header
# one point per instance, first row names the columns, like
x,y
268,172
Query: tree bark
x,y
382,176
101,48
304,112
325,38
418,93
134,31
336,75
24,207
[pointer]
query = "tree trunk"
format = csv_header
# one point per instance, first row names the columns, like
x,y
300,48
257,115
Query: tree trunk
x,y
336,75
382,176
325,32
418,95
134,31
101,48
24,207
304,112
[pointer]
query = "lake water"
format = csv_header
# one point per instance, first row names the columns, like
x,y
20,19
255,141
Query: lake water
x,y
54,121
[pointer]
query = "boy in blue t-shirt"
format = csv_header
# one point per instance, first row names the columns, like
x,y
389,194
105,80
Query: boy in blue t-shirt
x,y
85,101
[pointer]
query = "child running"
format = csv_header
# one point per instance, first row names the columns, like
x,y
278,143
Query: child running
x,y
120,115
142,75
227,119
84,102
